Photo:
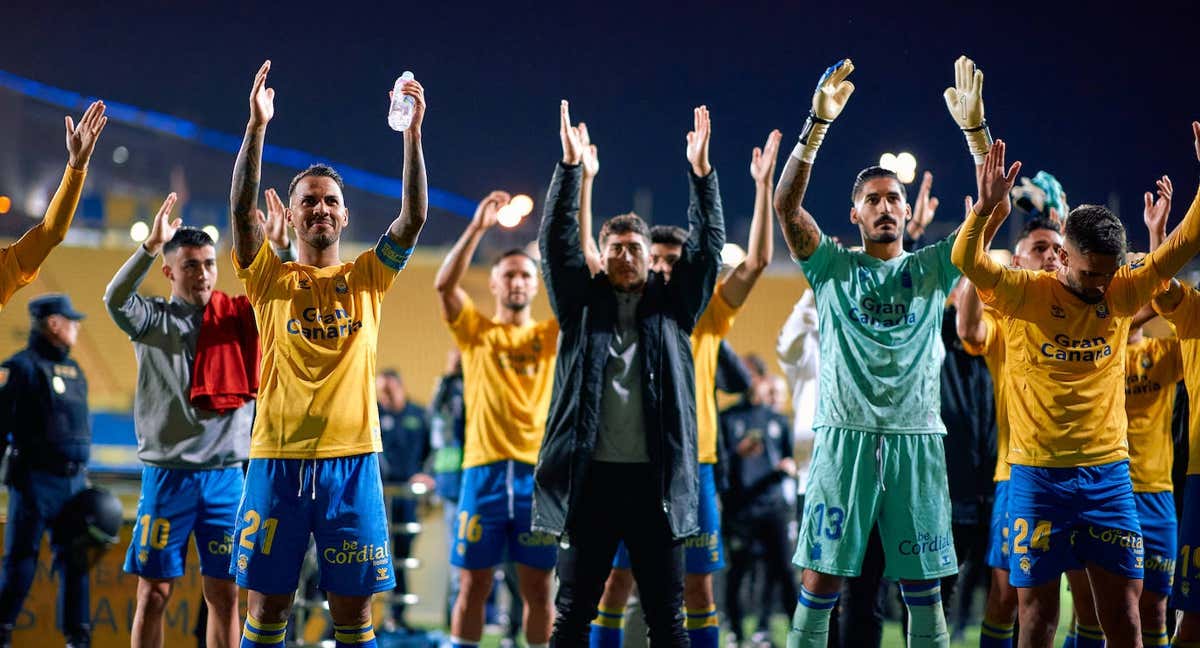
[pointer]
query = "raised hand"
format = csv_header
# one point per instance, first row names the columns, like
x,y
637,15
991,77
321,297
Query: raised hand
x,y
591,162
164,226
965,98
572,140
1155,212
994,181
489,209
833,91
762,161
262,98
81,140
924,206
1196,136
414,89
697,142
275,223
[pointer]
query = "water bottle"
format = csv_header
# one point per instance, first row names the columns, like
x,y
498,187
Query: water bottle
x,y
400,113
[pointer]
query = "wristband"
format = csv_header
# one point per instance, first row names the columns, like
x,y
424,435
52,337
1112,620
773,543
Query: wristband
x,y
811,137
979,140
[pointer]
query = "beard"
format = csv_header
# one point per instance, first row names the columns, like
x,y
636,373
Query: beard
x,y
516,304
321,240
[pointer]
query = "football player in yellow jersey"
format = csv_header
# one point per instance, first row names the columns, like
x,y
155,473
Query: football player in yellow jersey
x,y
313,469
982,333
1152,367
19,262
704,553
1070,496
508,373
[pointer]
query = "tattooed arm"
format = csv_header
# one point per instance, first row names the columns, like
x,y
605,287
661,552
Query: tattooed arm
x,y
248,231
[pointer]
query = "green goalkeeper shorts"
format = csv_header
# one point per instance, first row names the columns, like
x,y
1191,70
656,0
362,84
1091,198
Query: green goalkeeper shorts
x,y
858,479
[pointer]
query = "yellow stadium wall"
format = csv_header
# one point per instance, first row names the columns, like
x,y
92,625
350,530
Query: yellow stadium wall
x,y
413,338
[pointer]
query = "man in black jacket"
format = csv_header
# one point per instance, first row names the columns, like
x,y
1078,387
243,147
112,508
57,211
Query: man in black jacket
x,y
619,460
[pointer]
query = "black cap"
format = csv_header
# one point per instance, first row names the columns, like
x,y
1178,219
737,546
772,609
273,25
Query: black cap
x,y
53,304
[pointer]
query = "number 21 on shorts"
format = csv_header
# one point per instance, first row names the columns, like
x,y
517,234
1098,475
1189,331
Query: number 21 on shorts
x,y
266,538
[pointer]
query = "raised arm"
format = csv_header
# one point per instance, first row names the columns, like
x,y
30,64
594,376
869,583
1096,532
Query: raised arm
x,y
924,207
129,311
591,166
454,266
563,265
1184,242
695,273
248,231
761,245
969,253
799,229
35,245
415,205
969,316
1156,210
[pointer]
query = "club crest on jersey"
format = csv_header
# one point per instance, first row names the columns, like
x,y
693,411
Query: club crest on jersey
x,y
863,275
1102,310
1146,361
1057,312
303,284
340,287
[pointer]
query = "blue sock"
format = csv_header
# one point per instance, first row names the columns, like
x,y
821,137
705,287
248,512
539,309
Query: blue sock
x,y
926,620
1088,636
256,634
459,642
1069,640
994,635
354,636
608,628
810,621
703,628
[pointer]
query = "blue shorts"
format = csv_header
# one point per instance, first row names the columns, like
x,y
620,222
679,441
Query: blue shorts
x,y
1156,512
338,501
176,503
705,552
1065,518
495,513
997,550
1186,593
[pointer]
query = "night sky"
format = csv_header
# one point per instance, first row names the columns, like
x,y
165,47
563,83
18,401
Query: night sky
x,y
1102,99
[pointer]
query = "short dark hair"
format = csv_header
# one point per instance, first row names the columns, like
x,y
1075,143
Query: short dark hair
x,y
391,373
1036,224
668,235
623,224
870,173
319,170
755,364
512,252
1093,229
187,237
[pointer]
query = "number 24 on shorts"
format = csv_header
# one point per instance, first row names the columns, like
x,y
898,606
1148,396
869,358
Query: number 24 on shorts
x,y
1040,540
253,521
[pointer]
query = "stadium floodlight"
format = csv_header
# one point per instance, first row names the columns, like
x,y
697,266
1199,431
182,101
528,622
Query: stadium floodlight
x,y
732,255
515,211
139,231
906,167
212,231
120,155
5,204
889,162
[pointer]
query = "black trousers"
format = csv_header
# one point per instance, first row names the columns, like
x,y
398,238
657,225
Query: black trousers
x,y
769,531
619,502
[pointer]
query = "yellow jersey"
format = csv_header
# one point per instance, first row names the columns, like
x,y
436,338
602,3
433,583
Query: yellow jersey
x,y
319,332
1186,319
20,262
994,350
1065,402
1152,367
711,328
508,376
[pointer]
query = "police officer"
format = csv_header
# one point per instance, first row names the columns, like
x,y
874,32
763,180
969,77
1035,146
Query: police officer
x,y
44,414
